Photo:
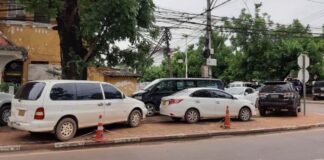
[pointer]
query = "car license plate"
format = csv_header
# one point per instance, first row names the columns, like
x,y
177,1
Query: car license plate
x,y
274,96
21,113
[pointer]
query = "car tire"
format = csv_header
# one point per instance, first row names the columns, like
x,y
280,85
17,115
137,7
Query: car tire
x,y
134,118
151,109
192,116
262,112
4,115
245,114
176,119
294,112
314,98
65,129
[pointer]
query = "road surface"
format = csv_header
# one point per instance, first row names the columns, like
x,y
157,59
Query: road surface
x,y
301,145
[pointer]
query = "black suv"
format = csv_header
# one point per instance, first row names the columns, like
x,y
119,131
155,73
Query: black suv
x,y
279,96
318,89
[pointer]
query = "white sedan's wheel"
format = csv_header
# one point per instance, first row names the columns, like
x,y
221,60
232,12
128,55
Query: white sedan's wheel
x,y
192,116
245,114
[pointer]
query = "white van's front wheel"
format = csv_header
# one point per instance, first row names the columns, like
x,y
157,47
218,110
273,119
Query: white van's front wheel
x,y
66,129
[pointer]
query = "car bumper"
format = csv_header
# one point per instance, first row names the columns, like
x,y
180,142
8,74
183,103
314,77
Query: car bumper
x,y
318,94
33,126
171,111
279,105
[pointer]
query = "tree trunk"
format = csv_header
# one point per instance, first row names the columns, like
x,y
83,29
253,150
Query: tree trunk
x,y
72,50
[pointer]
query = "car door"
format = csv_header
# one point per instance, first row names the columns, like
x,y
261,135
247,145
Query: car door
x,y
163,89
89,103
204,102
223,100
114,105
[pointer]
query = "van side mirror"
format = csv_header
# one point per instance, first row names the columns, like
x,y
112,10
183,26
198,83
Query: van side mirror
x,y
123,96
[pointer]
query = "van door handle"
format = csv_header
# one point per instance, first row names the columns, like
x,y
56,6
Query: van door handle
x,y
197,101
217,102
100,104
108,104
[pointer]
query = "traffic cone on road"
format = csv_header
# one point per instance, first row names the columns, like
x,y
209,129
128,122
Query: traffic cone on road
x,y
100,130
227,121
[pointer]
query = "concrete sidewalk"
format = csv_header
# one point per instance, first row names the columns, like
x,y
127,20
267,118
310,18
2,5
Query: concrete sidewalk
x,y
159,128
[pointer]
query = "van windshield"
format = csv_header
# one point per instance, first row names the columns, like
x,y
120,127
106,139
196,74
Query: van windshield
x,y
151,85
30,91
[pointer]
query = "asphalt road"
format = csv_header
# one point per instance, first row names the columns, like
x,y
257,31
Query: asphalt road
x,y
301,145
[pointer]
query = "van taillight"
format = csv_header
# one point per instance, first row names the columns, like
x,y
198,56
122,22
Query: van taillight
x,y
39,114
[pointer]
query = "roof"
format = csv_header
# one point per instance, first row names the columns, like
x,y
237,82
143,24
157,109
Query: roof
x,y
188,79
119,73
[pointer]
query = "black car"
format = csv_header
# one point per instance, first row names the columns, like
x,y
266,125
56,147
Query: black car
x,y
318,90
279,96
153,92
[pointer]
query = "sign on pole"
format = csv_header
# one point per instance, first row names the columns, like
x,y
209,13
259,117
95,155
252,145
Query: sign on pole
x,y
211,62
303,75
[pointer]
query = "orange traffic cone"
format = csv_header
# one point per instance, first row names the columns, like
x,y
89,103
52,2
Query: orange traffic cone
x,y
227,121
100,130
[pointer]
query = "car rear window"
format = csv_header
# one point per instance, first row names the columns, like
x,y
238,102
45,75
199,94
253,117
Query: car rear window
x,y
275,88
30,91
319,84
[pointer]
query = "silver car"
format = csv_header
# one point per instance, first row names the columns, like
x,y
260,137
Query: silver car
x,y
5,105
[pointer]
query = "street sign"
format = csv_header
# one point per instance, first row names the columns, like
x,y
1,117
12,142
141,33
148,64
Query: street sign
x,y
300,60
211,62
300,75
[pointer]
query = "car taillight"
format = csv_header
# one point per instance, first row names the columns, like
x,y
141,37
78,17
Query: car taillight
x,y
262,95
39,113
288,95
174,101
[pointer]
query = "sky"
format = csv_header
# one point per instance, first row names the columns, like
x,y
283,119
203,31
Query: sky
x,y
281,11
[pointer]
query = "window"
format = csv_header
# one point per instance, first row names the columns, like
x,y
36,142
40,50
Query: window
x,y
111,92
190,84
88,91
30,91
214,84
202,93
249,91
180,85
219,94
202,83
165,86
63,91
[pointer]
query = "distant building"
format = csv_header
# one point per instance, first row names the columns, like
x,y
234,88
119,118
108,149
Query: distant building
x,y
29,47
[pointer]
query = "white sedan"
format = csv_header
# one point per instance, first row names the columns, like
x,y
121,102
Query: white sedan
x,y
247,93
199,103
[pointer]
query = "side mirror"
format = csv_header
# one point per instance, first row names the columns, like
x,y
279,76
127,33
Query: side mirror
x,y
245,93
123,96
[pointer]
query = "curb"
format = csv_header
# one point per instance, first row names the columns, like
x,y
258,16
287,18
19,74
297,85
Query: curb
x,y
132,140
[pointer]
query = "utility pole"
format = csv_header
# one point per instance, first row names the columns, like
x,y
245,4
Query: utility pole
x,y
208,50
209,29
186,36
167,51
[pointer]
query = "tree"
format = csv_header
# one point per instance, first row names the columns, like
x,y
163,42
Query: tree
x,y
89,29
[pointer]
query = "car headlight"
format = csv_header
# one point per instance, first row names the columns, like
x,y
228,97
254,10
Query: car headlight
x,y
138,97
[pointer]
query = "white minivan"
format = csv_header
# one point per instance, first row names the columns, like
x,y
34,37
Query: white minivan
x,y
64,106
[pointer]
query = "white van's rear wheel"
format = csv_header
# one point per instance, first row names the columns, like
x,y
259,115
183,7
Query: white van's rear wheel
x,y
66,129
134,118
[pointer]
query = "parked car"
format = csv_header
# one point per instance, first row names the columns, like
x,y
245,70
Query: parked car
x,y
318,90
153,92
247,93
198,103
279,96
63,106
5,105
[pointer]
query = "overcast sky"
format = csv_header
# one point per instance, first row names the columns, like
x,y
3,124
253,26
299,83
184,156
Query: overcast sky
x,y
281,11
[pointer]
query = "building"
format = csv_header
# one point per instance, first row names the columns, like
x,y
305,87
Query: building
x,y
29,47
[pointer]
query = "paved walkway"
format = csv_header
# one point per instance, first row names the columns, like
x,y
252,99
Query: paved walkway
x,y
159,126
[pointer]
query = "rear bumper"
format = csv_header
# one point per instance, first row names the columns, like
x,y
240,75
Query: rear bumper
x,y
171,111
321,94
33,126
277,105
